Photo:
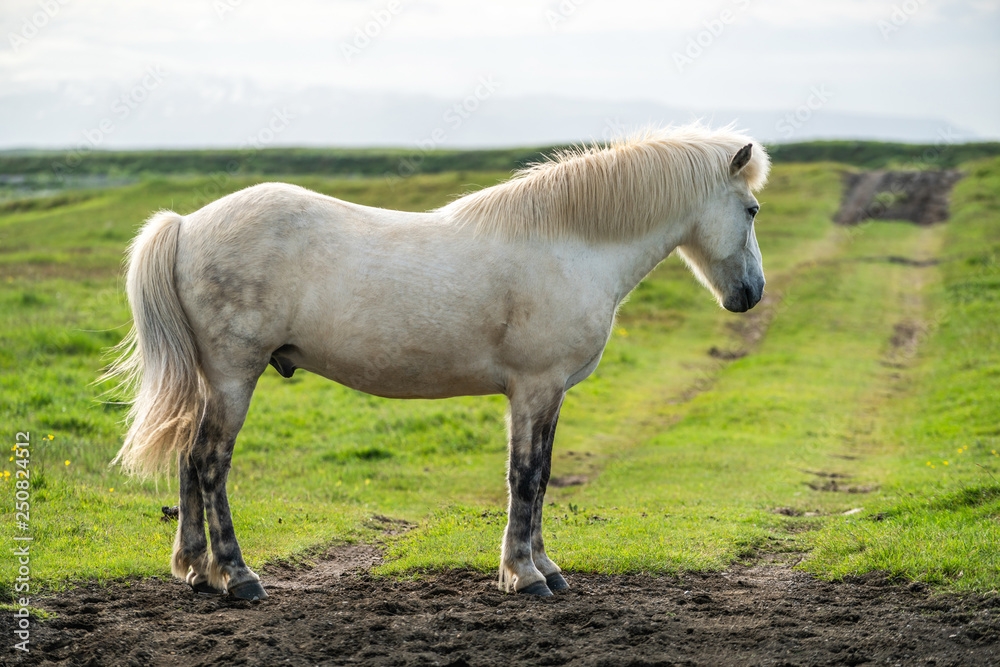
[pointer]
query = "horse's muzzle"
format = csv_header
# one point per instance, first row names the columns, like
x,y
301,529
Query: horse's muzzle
x,y
743,299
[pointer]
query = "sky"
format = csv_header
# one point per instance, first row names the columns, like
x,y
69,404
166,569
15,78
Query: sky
x,y
900,59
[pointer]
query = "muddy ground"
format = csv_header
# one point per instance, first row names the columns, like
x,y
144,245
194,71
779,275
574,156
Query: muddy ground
x,y
917,196
333,612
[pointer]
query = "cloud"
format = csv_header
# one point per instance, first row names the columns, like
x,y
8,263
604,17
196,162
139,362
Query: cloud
x,y
934,61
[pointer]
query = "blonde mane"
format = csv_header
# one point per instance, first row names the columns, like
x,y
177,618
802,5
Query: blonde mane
x,y
610,192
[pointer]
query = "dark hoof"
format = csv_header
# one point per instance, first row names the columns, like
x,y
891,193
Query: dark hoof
x,y
556,582
538,588
249,590
202,588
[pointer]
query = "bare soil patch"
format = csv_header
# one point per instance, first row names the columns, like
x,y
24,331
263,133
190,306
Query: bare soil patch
x,y
917,196
333,612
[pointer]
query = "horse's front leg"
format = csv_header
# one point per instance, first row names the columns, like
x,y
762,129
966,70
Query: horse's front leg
x,y
532,422
190,558
553,578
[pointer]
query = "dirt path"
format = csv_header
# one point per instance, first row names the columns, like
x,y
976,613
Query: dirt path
x,y
335,613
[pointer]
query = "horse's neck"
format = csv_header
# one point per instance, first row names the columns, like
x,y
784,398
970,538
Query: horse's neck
x,y
634,260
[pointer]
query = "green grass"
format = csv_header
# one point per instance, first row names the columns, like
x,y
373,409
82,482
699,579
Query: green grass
x,y
687,456
939,445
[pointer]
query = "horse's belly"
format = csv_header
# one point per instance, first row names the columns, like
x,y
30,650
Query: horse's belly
x,y
394,372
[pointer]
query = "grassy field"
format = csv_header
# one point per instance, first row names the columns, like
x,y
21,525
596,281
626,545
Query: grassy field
x,y
849,422
42,170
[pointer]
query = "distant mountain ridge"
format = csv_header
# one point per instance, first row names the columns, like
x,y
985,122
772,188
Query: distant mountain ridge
x,y
156,113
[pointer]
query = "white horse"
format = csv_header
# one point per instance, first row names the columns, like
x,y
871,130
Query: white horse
x,y
509,290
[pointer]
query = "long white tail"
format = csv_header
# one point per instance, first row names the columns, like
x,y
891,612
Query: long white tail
x,y
158,361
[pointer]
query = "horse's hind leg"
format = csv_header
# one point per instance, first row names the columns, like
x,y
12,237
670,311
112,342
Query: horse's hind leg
x,y
190,558
212,456
553,578
532,423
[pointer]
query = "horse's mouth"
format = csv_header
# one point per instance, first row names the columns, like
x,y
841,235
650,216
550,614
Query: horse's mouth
x,y
743,299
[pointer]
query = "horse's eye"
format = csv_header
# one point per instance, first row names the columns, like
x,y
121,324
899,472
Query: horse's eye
x,y
752,210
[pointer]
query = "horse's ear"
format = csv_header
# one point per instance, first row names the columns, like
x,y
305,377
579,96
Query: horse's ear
x,y
740,160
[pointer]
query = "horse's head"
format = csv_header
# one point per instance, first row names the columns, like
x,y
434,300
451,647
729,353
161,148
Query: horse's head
x,y
721,249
